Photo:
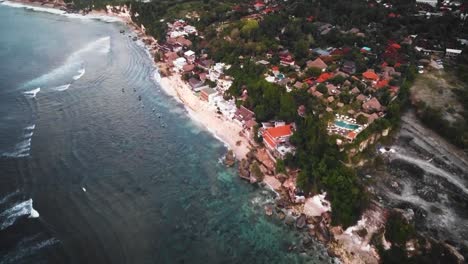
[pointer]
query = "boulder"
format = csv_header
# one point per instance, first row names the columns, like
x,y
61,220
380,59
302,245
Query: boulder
x,y
301,221
230,159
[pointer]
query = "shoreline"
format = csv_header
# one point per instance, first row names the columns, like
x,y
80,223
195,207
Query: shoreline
x,y
224,130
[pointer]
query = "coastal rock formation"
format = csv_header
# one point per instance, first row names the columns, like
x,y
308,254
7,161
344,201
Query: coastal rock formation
x,y
230,159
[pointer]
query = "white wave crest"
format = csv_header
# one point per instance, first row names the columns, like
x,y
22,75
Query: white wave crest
x,y
32,93
23,148
81,72
62,88
9,216
104,18
74,63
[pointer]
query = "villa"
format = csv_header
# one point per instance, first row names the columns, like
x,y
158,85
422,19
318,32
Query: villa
x,y
276,139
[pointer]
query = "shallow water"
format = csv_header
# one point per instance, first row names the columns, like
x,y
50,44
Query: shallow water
x,y
90,174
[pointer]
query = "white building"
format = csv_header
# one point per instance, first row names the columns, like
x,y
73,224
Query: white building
x,y
179,63
190,56
429,2
190,29
452,53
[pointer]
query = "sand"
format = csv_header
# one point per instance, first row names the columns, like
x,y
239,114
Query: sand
x,y
200,111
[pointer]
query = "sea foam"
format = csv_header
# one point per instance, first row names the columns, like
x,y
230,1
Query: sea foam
x,y
80,74
104,18
61,88
32,93
74,63
9,216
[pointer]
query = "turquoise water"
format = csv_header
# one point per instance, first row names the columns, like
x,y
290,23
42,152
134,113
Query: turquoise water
x,y
114,179
346,125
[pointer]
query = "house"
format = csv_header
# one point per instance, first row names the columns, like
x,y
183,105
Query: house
x,y
361,98
188,68
317,63
179,63
355,91
190,29
259,5
195,84
250,127
349,67
183,41
370,75
170,56
298,85
301,111
321,52
371,106
216,71
429,2
190,56
332,89
243,115
207,94
276,139
452,53
287,60
324,77
205,64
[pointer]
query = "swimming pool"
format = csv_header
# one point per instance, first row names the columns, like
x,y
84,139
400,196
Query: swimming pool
x,y
346,125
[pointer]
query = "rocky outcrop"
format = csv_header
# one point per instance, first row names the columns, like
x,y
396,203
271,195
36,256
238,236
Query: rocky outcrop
x,y
230,159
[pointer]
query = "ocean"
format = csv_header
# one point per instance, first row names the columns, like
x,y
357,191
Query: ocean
x,y
99,165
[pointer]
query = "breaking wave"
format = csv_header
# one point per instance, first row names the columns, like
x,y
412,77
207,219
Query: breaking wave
x,y
32,93
9,216
73,64
23,148
62,87
104,18
81,72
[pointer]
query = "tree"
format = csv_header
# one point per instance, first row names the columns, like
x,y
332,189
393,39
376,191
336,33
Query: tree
x,y
322,88
362,119
249,28
287,107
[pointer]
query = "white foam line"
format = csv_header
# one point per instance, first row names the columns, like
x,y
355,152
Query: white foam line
x,y
61,88
81,72
55,11
11,215
31,127
32,93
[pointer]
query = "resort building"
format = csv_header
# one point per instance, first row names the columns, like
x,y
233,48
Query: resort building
x,y
452,53
429,2
207,94
276,139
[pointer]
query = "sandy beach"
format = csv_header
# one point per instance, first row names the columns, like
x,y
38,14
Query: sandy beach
x,y
200,111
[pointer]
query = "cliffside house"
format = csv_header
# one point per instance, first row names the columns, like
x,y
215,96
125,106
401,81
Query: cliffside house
x,y
243,115
276,139
208,94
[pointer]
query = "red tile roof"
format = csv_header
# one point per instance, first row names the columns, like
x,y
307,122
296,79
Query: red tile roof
x,y
324,77
382,83
370,75
280,131
351,135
